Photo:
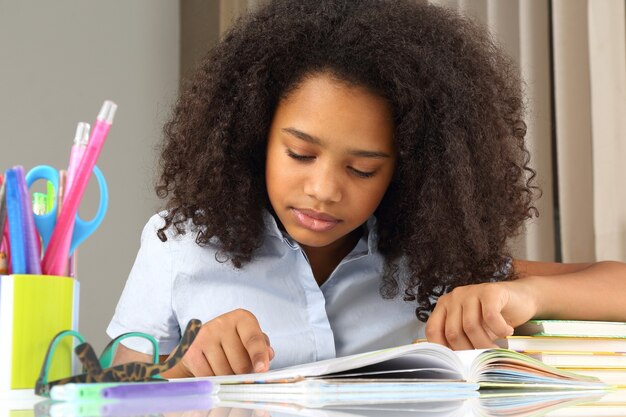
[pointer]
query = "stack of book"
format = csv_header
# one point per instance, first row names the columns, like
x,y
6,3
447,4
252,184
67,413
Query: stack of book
x,y
591,348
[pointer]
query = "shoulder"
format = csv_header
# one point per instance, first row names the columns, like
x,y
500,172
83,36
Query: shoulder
x,y
157,222
183,247
175,249
153,225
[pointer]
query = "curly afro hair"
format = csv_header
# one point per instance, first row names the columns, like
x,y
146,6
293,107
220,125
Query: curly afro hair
x,y
462,184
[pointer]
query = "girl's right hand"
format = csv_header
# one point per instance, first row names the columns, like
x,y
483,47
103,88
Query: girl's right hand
x,y
232,343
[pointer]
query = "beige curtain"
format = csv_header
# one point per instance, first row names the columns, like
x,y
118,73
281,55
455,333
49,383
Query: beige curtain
x,y
571,54
607,52
203,22
230,9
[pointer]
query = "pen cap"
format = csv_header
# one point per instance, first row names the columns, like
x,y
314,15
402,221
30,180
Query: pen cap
x,y
107,111
82,134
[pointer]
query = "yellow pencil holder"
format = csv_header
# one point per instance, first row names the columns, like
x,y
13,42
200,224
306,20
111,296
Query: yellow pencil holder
x,y
33,309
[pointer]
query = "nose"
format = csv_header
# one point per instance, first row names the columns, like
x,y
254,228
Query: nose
x,y
323,184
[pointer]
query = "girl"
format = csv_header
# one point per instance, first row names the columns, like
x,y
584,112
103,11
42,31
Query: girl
x,y
343,176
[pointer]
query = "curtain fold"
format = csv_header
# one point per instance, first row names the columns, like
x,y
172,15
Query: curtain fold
x,y
539,241
572,97
607,57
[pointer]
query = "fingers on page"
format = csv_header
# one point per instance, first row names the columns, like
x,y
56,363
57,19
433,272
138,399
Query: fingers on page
x,y
237,354
435,326
455,334
255,342
492,305
473,325
218,360
196,362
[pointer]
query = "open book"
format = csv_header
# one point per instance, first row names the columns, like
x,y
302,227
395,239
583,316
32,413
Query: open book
x,y
420,367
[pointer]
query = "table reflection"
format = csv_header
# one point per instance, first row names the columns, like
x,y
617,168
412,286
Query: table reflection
x,y
489,404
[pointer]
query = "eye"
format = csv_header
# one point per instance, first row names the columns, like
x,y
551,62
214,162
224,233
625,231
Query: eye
x,y
299,157
362,174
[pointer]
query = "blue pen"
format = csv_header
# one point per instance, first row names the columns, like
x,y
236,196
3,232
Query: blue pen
x,y
16,229
3,211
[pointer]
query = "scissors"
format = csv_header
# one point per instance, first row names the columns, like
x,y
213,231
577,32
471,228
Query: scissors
x,y
45,223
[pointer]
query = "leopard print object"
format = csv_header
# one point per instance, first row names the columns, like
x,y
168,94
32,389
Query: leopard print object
x,y
126,372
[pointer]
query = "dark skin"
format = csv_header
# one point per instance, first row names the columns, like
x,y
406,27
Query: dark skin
x,y
331,156
324,260
556,290
330,159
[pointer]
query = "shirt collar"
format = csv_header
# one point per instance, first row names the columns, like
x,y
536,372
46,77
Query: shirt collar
x,y
368,242
271,226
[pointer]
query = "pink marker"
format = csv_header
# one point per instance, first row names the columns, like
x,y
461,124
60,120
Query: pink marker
x,y
81,138
57,253
78,149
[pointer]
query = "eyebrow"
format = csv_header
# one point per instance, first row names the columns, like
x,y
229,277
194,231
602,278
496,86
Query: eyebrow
x,y
317,141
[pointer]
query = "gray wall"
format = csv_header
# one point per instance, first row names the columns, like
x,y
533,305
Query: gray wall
x,y
59,60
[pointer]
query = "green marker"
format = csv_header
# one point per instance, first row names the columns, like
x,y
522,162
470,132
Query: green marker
x,y
80,391
50,197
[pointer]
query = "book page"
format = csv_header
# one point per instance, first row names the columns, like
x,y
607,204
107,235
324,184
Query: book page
x,y
500,367
468,359
408,366
426,355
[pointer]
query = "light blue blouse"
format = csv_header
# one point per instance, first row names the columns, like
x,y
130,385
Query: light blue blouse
x,y
174,281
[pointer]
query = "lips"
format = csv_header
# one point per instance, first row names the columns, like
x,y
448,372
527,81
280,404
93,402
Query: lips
x,y
317,215
313,220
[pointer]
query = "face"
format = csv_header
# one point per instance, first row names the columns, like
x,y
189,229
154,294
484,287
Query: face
x,y
330,158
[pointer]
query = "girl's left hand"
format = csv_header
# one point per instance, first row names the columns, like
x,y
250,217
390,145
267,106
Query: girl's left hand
x,y
473,316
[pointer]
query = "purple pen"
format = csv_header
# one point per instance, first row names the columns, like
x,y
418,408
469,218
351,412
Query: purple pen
x,y
32,250
125,408
157,390
156,406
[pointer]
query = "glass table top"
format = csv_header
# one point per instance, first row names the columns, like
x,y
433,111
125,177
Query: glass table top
x,y
490,403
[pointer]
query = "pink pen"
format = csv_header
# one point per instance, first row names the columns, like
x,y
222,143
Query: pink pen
x,y
78,149
81,138
57,253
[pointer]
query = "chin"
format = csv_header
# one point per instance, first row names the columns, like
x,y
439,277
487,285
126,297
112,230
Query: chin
x,y
311,239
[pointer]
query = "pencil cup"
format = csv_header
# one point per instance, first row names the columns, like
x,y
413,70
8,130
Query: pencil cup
x,y
33,309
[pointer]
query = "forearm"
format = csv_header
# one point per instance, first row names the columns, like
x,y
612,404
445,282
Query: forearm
x,y
125,355
597,292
